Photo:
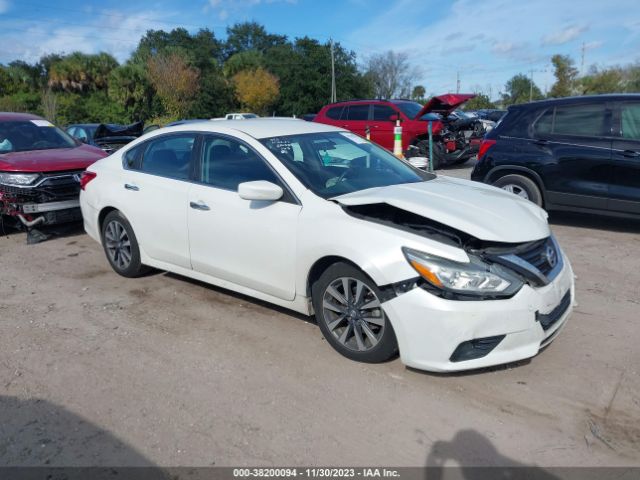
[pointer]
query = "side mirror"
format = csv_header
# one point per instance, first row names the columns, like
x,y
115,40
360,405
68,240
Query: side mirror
x,y
260,190
419,162
394,117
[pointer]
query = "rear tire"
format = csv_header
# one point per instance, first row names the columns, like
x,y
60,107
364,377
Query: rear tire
x,y
349,314
522,186
121,246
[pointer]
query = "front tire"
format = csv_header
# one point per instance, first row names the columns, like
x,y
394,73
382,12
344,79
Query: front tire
x,y
121,246
349,313
423,148
522,186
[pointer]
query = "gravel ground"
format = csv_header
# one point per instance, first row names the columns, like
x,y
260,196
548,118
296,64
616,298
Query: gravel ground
x,y
96,369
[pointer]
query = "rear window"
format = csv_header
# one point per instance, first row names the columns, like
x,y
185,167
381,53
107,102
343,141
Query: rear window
x,y
358,112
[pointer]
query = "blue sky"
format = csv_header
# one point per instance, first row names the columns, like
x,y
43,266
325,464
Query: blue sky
x,y
484,41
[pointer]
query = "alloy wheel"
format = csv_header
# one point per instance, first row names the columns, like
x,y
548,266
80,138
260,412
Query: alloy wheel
x,y
353,314
516,189
118,244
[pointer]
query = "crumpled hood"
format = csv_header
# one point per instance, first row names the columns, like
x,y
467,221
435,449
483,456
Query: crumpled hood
x,y
445,104
480,210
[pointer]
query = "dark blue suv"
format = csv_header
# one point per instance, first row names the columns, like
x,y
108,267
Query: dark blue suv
x,y
577,153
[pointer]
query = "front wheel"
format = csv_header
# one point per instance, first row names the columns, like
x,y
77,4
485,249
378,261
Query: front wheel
x,y
121,246
423,148
350,315
522,186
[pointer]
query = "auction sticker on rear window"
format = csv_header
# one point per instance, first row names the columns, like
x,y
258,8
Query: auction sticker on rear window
x,y
42,123
353,137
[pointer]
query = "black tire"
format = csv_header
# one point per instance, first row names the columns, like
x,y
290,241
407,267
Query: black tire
x,y
133,266
520,185
423,148
367,322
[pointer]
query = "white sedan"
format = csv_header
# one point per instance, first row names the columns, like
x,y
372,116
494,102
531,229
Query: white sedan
x,y
451,274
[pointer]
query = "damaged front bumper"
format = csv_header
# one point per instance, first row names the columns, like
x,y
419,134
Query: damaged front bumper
x,y
53,199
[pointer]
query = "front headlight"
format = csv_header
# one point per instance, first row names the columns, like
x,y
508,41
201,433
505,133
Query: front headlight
x,y
475,278
21,179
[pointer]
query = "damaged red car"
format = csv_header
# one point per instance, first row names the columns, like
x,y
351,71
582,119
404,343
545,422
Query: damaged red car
x,y
455,139
40,171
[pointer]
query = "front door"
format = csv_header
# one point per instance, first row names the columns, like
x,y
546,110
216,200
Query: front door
x,y
248,243
382,126
625,181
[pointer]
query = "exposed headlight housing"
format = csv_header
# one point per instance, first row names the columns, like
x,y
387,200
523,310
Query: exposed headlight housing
x,y
476,278
18,179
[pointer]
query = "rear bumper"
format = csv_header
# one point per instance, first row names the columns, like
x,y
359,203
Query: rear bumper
x,y
430,329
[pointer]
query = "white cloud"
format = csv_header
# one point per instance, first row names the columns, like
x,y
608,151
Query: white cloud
x,y
565,35
4,6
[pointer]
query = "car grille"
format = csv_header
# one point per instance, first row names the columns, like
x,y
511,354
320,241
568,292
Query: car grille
x,y
547,320
542,255
50,188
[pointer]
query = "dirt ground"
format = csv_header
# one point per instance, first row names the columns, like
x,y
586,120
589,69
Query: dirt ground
x,y
96,369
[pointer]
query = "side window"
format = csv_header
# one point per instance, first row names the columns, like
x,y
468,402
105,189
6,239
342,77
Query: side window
x,y
334,113
382,113
130,157
583,120
226,163
169,156
358,112
81,134
544,124
630,116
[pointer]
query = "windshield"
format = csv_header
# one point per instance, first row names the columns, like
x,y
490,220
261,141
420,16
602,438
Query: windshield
x,y
411,109
336,163
26,135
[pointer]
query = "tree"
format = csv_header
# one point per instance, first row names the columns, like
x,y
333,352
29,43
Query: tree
x,y
390,74
130,88
246,60
610,80
175,82
479,102
520,89
81,72
256,89
49,105
418,93
250,36
565,74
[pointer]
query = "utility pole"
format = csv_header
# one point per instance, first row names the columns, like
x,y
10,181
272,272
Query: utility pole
x,y
457,82
531,85
582,59
333,75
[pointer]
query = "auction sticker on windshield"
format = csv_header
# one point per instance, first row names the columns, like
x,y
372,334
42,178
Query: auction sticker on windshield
x,y
353,137
42,123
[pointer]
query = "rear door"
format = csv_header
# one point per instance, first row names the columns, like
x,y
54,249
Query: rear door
x,y
155,191
625,181
574,143
381,126
357,118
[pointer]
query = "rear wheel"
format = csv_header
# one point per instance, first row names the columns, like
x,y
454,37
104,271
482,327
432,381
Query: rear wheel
x,y
350,315
522,186
121,246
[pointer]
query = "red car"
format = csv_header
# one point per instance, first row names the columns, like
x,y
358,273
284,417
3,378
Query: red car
x,y
40,169
456,139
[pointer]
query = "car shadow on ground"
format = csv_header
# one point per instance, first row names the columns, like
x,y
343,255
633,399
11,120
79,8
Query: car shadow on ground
x,y
42,234
472,456
593,221
38,433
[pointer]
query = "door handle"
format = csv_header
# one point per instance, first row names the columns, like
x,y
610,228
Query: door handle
x,y
199,206
631,153
129,186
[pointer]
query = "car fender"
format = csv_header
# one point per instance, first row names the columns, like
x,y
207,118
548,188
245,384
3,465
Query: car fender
x,y
531,173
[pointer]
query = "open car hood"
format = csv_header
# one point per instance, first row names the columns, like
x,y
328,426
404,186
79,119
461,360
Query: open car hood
x,y
444,104
109,131
480,210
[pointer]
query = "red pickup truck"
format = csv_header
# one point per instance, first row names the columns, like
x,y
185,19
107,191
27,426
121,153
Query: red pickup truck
x,y
455,139
40,169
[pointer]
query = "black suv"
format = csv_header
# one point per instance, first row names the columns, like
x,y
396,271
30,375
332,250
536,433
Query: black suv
x,y
578,153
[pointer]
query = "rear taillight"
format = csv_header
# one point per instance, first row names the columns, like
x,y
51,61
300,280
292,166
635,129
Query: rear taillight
x,y
85,178
484,147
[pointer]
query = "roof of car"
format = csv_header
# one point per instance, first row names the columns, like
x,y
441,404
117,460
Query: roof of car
x,y
85,125
369,100
257,127
16,117
580,99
